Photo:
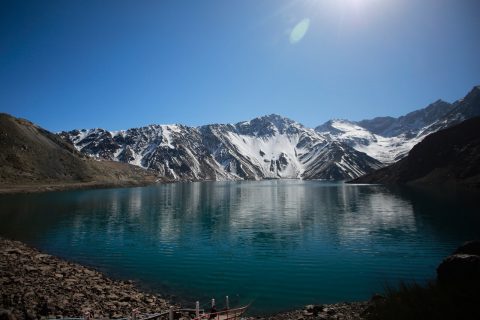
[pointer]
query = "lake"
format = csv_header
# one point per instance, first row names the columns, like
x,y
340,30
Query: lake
x,y
279,244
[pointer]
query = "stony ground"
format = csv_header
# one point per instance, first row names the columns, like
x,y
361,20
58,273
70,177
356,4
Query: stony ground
x,y
338,311
34,284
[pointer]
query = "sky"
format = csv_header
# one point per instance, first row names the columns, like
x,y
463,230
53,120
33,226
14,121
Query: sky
x,y
122,64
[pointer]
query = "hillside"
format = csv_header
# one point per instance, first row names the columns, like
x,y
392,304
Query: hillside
x,y
449,157
34,159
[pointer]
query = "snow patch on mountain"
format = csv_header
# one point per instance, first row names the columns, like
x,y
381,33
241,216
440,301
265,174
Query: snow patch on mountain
x,y
268,147
272,146
385,149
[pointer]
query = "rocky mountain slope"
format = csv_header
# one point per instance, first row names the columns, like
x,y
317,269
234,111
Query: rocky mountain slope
x,y
390,139
449,157
32,156
272,146
264,148
409,124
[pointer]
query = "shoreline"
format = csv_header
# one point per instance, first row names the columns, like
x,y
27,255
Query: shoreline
x,y
36,285
40,188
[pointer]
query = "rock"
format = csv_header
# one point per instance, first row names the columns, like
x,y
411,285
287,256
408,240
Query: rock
x,y
307,313
329,311
45,269
313,309
7,315
469,247
29,315
13,251
89,272
376,298
463,268
78,295
42,256
317,309
71,280
309,307
30,268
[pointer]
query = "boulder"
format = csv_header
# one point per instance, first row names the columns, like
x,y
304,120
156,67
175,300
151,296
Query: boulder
x,y
464,268
469,247
313,309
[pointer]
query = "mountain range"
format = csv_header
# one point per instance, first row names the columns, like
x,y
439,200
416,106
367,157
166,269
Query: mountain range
x,y
272,147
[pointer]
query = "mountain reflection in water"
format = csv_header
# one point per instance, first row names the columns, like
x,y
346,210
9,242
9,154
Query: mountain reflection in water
x,y
282,244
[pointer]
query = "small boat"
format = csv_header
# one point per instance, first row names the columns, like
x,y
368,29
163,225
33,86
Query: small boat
x,y
226,314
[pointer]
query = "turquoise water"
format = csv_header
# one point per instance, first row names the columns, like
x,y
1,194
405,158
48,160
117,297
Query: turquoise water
x,y
278,244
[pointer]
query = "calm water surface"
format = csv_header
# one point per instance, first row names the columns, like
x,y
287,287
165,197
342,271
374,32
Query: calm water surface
x,y
280,244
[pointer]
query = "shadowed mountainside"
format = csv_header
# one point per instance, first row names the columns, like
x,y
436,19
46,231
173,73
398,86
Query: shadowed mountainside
x,y
450,157
34,159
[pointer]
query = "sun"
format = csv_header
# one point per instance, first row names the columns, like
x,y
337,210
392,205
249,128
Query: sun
x,y
356,3
340,4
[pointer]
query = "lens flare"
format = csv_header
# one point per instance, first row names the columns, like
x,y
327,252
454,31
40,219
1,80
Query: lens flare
x,y
299,31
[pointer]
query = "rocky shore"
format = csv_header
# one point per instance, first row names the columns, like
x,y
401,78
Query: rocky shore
x,y
337,311
35,285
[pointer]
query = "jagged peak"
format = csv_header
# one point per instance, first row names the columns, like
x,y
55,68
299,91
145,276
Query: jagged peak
x,y
473,93
271,118
441,101
330,125
268,125
437,102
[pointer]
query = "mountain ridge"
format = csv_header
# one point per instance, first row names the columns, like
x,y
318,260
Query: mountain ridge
x,y
273,146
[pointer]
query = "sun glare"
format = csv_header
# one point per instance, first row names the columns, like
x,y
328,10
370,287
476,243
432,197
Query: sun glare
x,y
345,4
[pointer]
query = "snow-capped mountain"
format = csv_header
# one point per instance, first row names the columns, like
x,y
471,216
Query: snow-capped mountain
x,y
268,147
384,149
389,139
174,151
409,124
271,147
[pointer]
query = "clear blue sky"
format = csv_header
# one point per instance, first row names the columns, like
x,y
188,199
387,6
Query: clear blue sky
x,y
121,64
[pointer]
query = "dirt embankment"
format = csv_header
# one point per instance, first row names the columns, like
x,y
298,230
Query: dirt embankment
x,y
34,160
